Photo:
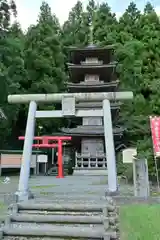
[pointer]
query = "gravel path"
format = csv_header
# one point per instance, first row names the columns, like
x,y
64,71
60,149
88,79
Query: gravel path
x,y
49,188
91,186
71,188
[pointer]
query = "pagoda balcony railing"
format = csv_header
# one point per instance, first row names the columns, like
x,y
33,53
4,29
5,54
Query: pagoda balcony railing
x,y
91,63
91,82
86,160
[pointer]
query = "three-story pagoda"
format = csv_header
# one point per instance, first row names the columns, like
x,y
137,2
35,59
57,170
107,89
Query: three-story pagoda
x,y
92,69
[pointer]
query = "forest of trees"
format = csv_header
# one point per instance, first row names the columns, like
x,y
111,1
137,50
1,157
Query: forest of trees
x,y
35,62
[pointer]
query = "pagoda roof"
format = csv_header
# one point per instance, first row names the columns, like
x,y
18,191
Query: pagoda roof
x,y
106,72
93,85
91,47
87,130
92,65
79,54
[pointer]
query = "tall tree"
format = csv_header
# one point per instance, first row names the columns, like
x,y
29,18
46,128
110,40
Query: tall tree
x,y
150,36
6,10
144,73
76,28
44,60
105,25
12,71
129,24
148,8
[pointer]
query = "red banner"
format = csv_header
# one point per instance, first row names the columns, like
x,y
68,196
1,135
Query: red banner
x,y
155,131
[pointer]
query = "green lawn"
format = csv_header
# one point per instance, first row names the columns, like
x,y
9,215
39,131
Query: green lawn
x,y
140,222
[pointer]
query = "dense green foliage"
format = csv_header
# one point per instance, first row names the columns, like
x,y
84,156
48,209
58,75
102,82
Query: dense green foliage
x,y
34,62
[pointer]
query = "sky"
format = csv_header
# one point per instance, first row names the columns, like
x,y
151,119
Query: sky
x,y
28,9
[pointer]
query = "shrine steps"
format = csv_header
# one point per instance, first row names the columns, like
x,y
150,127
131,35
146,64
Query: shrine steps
x,y
61,220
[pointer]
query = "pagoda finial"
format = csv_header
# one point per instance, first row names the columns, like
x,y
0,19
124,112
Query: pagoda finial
x,y
91,35
91,29
91,40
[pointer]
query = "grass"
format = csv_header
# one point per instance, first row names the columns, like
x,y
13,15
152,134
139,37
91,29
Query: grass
x,y
1,205
140,222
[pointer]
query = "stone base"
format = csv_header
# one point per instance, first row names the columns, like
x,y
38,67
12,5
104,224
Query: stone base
x,y
111,194
23,196
90,172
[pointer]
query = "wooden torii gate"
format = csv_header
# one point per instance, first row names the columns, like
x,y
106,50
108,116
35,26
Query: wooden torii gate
x,y
52,142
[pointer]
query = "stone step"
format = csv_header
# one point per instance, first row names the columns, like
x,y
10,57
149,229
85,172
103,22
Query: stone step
x,y
61,213
45,225
57,199
57,232
61,207
31,238
47,208
61,220
64,220
57,219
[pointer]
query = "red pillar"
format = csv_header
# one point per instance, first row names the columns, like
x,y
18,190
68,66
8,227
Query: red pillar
x,y
60,164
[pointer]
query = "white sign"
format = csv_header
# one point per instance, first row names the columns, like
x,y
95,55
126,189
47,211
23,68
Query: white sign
x,y
42,159
129,154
